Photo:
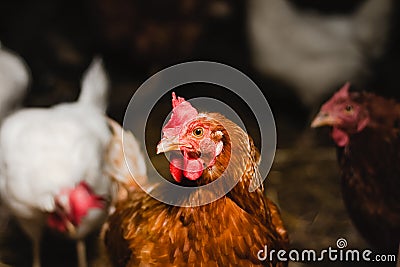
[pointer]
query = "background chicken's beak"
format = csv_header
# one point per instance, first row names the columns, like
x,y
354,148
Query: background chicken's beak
x,y
324,119
168,144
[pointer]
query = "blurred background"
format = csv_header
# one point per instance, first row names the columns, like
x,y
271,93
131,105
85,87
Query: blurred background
x,y
297,51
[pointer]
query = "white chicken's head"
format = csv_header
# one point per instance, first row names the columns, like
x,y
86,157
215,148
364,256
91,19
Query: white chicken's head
x,y
72,206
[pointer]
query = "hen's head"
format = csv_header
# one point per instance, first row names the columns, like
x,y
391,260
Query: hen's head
x,y
198,142
72,206
345,113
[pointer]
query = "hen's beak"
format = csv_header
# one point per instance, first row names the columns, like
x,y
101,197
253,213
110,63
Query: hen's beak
x,y
168,144
324,119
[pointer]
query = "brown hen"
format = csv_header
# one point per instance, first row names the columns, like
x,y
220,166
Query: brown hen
x,y
366,129
226,232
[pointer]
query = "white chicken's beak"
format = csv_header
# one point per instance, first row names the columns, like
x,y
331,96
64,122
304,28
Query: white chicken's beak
x,y
70,228
168,144
324,119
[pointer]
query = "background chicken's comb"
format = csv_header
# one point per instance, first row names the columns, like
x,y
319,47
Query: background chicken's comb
x,y
344,91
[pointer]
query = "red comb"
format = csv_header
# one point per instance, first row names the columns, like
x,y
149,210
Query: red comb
x,y
176,101
182,113
343,92
338,97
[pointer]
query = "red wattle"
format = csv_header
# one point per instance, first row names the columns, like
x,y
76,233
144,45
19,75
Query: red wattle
x,y
193,168
182,166
175,167
340,137
55,221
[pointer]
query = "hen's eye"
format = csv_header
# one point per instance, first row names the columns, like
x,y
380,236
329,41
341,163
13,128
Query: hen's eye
x,y
198,132
349,108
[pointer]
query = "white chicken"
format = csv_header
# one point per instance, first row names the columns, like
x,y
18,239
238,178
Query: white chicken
x,y
315,53
14,81
52,166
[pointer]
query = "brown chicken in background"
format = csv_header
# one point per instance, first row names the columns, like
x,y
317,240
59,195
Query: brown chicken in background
x,y
366,129
227,232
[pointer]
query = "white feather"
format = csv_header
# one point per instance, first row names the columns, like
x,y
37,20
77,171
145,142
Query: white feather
x,y
312,52
14,81
125,160
46,150
124,163
95,86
